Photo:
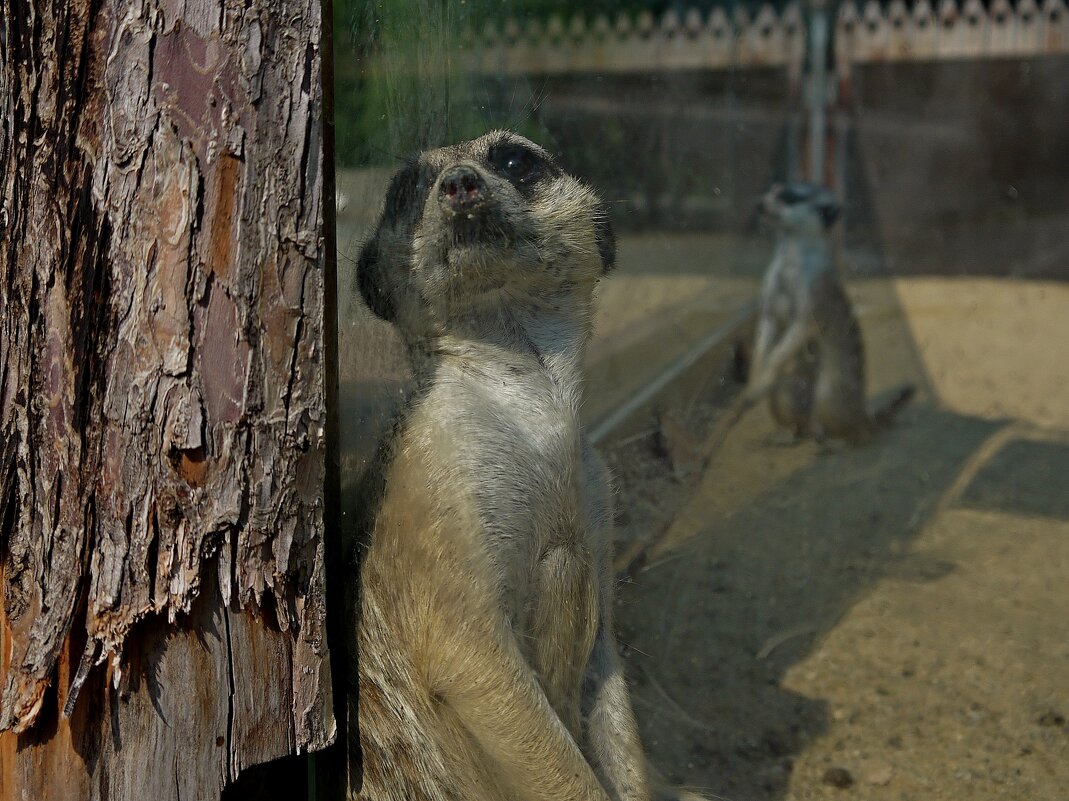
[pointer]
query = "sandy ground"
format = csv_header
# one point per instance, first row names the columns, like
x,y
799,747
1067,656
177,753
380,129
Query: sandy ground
x,y
889,622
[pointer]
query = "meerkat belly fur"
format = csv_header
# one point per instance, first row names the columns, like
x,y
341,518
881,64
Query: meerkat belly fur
x,y
808,354
487,663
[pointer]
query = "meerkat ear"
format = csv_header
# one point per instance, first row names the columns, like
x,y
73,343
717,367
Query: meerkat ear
x,y
829,212
371,279
605,238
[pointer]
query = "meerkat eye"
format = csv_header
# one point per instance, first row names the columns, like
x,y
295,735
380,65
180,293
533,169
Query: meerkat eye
x,y
515,162
792,194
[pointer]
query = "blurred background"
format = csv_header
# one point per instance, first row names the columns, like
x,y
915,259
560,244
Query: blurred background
x,y
889,621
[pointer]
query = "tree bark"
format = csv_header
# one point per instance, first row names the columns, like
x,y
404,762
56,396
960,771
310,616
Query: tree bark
x,y
163,423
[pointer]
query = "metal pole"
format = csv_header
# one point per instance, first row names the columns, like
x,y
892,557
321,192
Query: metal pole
x,y
816,94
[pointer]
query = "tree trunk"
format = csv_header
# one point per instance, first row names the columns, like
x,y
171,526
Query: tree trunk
x,y
163,372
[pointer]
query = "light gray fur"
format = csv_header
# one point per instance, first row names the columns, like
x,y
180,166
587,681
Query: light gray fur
x,y
808,355
487,664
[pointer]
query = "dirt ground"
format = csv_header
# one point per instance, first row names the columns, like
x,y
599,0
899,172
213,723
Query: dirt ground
x,y
887,622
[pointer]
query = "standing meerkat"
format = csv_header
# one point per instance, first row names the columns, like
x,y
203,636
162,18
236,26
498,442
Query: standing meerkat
x,y
808,355
487,666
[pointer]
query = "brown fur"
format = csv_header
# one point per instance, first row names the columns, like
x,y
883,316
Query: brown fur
x,y
809,356
487,663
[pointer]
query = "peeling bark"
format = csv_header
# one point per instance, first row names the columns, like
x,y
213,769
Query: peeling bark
x,y
162,394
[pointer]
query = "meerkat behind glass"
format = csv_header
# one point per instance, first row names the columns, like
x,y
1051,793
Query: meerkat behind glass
x,y
487,663
808,353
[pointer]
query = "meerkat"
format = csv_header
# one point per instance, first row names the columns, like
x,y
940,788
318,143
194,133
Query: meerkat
x,y
791,397
808,354
487,665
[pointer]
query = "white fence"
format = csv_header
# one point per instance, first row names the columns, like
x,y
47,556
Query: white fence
x,y
642,44
949,31
866,33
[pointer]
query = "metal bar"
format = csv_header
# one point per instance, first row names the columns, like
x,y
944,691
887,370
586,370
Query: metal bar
x,y
671,373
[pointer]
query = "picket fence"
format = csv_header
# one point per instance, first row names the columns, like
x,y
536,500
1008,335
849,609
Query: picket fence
x,y
867,33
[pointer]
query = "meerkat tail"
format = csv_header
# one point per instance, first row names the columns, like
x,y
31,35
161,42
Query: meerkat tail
x,y
884,415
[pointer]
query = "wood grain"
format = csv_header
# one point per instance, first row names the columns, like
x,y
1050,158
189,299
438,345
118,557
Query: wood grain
x,y
162,395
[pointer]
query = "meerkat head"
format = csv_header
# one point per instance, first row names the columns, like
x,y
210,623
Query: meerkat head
x,y
484,222
798,207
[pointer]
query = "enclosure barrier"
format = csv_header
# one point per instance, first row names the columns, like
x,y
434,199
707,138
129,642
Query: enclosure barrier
x,y
642,44
871,32
949,31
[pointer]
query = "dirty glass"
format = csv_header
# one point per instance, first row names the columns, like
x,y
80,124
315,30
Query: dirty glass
x,y
802,612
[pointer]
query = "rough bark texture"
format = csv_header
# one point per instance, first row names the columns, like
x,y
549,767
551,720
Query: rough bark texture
x,y
162,415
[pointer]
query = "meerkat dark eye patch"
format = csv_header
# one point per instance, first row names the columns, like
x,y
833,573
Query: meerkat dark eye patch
x,y
518,163
515,162
795,193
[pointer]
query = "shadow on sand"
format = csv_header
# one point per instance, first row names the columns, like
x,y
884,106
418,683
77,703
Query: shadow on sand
x,y
711,631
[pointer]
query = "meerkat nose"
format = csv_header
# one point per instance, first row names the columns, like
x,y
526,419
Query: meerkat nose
x,y
462,188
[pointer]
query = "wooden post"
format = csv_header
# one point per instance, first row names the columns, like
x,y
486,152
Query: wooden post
x,y
164,276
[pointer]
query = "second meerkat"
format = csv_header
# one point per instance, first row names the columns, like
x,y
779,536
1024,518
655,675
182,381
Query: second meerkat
x,y
808,355
488,668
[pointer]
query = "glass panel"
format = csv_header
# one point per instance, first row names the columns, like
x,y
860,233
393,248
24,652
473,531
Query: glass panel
x,y
841,568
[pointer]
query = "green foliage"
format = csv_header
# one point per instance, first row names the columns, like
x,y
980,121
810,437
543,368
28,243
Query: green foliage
x,y
397,88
